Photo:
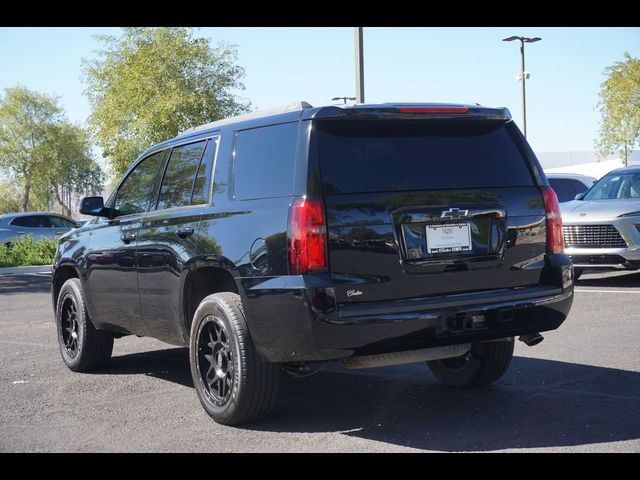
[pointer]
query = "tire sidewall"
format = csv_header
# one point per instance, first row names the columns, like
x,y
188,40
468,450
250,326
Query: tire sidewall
x,y
71,290
215,308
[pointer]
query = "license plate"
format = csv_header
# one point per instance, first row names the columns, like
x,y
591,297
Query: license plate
x,y
450,237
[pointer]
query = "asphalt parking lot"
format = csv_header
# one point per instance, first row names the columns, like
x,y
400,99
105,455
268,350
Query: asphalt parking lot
x,y
579,390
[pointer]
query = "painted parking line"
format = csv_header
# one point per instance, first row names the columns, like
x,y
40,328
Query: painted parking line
x,y
606,291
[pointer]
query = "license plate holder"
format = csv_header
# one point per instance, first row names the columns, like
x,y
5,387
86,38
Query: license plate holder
x,y
448,238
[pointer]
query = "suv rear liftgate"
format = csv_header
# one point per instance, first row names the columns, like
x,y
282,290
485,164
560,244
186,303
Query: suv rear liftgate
x,y
440,227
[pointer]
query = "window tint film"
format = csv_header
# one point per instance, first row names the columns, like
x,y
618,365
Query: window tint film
x,y
263,161
59,222
578,187
32,221
177,183
360,156
562,189
135,192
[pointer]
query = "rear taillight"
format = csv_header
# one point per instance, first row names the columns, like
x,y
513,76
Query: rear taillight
x,y
307,237
555,241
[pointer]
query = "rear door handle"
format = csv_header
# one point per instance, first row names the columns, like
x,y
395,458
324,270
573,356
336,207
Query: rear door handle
x,y
184,232
128,237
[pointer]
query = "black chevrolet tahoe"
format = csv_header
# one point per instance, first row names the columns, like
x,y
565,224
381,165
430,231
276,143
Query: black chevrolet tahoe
x,y
273,242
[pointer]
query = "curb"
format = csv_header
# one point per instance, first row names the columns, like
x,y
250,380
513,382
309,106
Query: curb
x,y
25,270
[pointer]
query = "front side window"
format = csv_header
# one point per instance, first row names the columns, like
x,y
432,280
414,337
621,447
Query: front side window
x,y
60,222
135,192
32,221
177,184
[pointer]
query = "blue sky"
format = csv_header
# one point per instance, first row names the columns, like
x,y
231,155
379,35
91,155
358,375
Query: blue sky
x,y
401,64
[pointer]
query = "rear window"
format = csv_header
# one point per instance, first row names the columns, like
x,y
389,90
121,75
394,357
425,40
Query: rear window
x,y
358,157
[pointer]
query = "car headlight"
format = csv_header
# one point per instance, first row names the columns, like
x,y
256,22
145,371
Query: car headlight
x,y
632,214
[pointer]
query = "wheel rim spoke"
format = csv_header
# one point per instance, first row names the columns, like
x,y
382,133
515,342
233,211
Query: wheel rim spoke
x,y
215,360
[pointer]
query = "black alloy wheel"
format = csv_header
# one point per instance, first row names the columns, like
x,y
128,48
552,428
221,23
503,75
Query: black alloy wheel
x,y
215,360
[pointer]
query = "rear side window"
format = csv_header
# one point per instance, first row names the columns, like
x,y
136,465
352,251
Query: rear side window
x,y
359,156
59,222
263,161
177,184
32,221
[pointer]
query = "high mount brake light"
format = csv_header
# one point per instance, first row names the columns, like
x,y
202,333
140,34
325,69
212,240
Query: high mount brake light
x,y
433,109
555,240
307,237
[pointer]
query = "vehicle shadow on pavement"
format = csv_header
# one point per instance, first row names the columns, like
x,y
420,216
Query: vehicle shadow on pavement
x,y
31,283
629,280
171,365
538,403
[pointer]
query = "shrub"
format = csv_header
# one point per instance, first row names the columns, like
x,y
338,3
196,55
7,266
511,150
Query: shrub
x,y
25,251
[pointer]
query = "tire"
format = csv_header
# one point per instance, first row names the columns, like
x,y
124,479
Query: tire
x,y
577,272
485,363
232,381
83,348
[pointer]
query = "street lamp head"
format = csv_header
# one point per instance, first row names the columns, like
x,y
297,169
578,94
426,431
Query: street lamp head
x,y
532,40
510,39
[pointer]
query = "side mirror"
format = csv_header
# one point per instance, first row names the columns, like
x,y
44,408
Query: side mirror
x,y
93,206
579,196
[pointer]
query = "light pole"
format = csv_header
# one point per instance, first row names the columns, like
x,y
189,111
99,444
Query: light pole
x,y
523,74
343,99
359,64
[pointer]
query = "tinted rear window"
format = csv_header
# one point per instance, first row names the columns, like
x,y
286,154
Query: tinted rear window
x,y
263,161
360,157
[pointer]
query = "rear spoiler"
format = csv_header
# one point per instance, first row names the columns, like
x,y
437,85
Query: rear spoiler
x,y
407,112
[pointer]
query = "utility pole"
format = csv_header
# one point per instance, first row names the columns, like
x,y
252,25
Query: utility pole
x,y
359,65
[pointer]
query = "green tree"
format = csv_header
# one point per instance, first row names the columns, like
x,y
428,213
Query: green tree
x,y
10,200
26,120
620,107
43,152
73,169
151,83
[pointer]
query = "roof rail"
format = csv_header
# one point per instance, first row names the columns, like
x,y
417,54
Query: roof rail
x,y
292,107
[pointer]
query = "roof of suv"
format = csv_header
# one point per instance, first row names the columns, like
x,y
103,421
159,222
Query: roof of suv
x,y
304,110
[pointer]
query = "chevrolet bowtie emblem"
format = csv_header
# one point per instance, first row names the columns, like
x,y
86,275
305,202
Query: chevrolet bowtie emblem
x,y
454,213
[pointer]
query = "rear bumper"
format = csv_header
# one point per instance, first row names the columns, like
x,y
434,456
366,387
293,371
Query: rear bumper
x,y
296,318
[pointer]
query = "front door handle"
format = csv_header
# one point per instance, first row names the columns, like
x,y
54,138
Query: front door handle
x,y
128,237
184,232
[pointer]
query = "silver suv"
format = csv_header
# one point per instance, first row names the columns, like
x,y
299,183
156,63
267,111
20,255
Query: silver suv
x,y
602,226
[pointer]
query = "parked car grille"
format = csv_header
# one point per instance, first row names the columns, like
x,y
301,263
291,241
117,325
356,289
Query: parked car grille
x,y
592,236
